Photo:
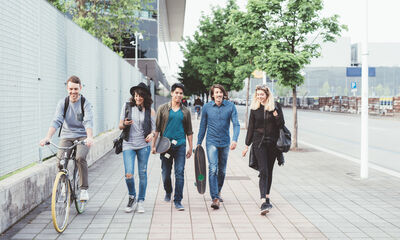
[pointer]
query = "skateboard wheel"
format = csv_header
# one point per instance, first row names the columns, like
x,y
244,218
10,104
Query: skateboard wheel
x,y
201,177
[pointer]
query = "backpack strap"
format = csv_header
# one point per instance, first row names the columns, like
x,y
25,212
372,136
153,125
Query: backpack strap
x,y
66,104
125,131
83,99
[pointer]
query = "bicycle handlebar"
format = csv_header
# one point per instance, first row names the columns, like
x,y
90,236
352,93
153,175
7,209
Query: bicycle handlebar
x,y
76,142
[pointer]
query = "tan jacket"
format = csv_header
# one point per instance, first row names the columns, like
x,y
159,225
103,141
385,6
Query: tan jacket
x,y
162,119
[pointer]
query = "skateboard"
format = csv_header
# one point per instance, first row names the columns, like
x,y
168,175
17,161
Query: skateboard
x,y
200,169
163,144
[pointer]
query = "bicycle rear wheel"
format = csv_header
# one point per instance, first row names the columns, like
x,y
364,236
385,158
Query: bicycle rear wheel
x,y
60,202
79,205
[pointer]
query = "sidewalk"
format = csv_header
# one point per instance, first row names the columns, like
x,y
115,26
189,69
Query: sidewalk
x,y
315,196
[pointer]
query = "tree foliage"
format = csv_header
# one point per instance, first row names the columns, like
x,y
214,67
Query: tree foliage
x,y
249,43
189,75
290,29
113,22
211,53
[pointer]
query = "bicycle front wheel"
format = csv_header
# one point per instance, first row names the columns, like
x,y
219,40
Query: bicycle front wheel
x,y
60,202
79,205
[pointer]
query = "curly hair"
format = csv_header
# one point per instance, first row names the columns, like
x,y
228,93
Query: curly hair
x,y
147,101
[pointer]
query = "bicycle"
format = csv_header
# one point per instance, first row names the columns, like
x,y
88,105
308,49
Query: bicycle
x,y
66,188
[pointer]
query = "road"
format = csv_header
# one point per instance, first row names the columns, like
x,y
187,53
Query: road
x,y
341,133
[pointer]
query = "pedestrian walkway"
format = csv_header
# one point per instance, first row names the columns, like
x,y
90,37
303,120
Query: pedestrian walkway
x,y
315,196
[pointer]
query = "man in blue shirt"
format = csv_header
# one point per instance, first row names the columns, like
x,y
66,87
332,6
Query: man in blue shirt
x,y
215,118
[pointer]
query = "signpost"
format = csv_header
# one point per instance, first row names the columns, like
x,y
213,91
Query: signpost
x,y
364,101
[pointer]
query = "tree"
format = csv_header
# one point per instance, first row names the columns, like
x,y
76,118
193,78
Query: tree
x,y
291,29
113,22
248,42
210,51
189,75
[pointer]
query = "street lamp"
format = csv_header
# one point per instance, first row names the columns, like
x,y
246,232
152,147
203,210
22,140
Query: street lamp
x,y
135,44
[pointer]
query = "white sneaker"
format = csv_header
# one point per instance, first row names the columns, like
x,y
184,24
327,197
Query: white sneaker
x,y
84,196
140,207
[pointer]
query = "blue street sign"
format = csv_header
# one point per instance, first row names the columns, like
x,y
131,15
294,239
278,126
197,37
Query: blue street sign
x,y
353,86
356,72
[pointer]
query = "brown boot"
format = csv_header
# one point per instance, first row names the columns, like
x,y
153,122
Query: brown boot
x,y
215,204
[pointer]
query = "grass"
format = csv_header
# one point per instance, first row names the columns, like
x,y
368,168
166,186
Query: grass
x,y
24,168
17,171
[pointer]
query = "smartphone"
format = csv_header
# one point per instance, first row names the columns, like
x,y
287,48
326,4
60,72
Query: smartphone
x,y
128,119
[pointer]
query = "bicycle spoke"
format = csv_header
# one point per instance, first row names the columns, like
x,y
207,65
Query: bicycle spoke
x,y
60,206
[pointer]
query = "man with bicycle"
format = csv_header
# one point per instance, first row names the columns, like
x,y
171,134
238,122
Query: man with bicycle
x,y
74,117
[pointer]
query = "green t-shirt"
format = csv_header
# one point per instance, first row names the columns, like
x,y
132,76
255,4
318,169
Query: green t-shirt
x,y
174,129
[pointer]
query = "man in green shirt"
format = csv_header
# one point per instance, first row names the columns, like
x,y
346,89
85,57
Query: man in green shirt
x,y
174,122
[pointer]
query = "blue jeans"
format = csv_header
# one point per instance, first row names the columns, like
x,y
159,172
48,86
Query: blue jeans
x,y
217,158
178,157
129,163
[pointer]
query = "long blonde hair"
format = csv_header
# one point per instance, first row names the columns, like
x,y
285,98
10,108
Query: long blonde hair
x,y
270,103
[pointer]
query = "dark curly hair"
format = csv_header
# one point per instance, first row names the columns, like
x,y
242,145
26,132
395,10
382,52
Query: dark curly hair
x,y
147,101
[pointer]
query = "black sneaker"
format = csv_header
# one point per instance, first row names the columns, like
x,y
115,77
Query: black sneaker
x,y
265,207
131,204
167,197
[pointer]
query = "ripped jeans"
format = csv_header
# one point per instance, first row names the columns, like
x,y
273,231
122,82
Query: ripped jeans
x,y
129,163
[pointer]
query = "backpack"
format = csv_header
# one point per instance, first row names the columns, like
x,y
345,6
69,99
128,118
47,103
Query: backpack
x,y
66,104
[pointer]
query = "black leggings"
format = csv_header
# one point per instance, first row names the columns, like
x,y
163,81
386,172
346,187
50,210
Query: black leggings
x,y
265,155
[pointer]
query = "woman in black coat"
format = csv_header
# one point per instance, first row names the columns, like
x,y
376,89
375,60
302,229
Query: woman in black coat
x,y
266,118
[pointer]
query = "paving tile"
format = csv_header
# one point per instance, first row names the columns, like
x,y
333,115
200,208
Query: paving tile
x,y
91,236
23,236
69,236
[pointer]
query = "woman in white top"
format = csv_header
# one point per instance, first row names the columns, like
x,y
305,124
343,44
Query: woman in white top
x,y
137,120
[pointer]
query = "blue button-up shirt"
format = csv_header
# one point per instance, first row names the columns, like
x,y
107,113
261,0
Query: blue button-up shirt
x,y
216,120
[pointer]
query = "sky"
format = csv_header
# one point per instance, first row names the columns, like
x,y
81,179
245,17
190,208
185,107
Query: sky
x,y
383,19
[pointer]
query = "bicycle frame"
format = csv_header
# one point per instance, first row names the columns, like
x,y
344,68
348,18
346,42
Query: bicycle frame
x,y
64,163
66,160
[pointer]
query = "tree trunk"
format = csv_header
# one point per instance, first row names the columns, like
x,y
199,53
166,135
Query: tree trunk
x,y
294,136
247,103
